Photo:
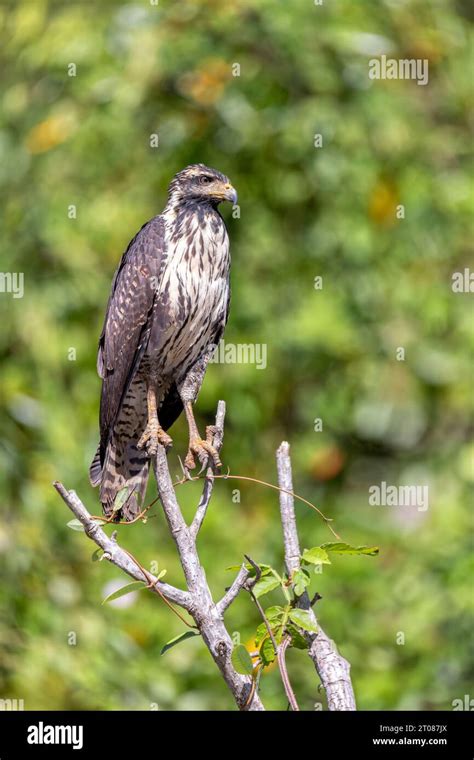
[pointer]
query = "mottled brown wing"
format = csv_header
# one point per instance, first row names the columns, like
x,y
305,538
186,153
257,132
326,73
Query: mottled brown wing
x,y
128,320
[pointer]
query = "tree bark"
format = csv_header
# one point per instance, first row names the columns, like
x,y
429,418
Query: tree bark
x,y
332,668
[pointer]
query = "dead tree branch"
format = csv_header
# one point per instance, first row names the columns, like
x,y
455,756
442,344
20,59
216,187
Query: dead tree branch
x,y
332,668
233,590
114,553
209,481
197,599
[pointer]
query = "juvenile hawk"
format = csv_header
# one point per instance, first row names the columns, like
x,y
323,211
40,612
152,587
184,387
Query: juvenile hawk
x,y
168,305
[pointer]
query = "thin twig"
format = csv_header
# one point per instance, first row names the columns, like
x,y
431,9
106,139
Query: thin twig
x,y
279,652
152,584
233,590
281,655
228,476
110,520
209,480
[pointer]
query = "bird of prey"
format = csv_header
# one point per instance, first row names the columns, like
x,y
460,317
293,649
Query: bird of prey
x,y
167,309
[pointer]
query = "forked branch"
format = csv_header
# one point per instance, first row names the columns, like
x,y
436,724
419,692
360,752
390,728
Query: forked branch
x,y
197,599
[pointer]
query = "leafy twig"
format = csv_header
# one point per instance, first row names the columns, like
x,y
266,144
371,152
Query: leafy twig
x,y
280,649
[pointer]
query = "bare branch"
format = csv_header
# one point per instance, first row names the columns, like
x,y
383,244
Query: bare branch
x,y
332,668
177,525
114,553
287,509
233,590
197,600
206,614
209,482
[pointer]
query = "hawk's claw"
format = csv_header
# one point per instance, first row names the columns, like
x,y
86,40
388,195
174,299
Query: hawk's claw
x,y
151,437
205,452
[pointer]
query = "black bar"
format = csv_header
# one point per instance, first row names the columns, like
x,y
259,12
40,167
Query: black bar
x,y
130,734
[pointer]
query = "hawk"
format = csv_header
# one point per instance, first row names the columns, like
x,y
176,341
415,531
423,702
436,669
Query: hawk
x,y
167,310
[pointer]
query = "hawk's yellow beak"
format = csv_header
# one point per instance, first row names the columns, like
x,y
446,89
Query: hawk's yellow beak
x,y
230,193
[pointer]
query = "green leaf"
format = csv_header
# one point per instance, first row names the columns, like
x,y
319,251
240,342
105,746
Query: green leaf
x,y
274,613
260,634
265,585
265,569
267,651
241,660
342,548
303,619
133,586
161,574
120,498
301,580
297,639
75,525
178,639
316,556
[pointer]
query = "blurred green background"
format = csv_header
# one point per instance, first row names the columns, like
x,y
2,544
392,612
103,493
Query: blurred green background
x,y
305,212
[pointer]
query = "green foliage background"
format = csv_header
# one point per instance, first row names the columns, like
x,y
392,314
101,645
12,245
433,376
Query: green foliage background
x,y
305,212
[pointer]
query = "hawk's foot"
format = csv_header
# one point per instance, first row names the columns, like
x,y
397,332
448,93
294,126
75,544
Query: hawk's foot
x,y
152,436
205,451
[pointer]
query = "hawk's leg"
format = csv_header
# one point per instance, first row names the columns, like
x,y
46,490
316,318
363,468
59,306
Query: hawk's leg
x,y
153,433
202,448
188,390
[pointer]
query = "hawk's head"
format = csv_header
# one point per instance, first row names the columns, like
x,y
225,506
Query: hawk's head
x,y
201,184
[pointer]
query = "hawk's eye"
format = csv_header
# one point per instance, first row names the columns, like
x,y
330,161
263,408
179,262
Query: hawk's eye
x,y
205,179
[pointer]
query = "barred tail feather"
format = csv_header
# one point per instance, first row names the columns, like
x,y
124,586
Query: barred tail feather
x,y
95,470
123,467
